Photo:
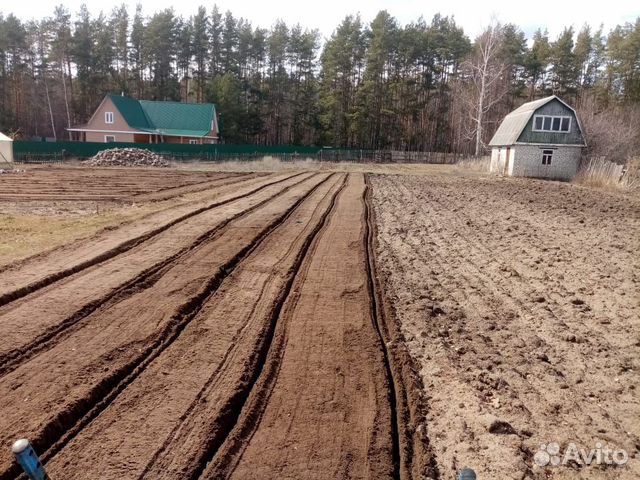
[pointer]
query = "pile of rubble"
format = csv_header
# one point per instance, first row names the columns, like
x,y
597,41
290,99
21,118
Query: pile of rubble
x,y
127,157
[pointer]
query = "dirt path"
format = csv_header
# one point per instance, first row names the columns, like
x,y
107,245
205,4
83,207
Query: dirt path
x,y
519,301
100,354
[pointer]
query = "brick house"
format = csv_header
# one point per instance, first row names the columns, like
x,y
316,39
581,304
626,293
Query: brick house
x,y
124,119
541,139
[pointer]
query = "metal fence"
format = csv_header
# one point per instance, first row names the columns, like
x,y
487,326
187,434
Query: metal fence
x,y
56,152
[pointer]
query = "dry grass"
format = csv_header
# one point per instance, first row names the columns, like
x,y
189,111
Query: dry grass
x,y
30,228
601,173
473,164
631,178
25,235
272,164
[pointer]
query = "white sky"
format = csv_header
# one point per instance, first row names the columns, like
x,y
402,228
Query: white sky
x,y
326,14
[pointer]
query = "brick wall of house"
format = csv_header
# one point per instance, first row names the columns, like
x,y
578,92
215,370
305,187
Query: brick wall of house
x,y
565,162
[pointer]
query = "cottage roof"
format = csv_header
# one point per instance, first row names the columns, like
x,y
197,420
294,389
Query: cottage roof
x,y
175,118
132,111
167,118
513,124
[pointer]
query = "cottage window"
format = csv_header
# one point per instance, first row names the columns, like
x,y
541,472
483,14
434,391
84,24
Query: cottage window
x,y
546,157
193,142
551,123
109,138
108,117
538,123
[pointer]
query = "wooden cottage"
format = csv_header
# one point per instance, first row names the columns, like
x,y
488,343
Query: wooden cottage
x,y
541,139
124,119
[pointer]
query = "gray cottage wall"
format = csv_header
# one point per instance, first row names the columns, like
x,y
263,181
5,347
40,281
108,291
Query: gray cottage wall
x,y
554,107
527,162
499,159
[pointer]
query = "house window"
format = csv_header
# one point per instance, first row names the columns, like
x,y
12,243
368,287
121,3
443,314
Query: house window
x,y
193,142
551,123
546,157
108,117
109,138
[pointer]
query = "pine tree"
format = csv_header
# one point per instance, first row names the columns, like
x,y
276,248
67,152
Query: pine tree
x,y
160,40
137,52
120,26
200,27
564,74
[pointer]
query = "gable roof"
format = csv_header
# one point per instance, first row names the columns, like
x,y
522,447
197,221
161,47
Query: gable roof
x,y
131,111
513,124
175,118
167,118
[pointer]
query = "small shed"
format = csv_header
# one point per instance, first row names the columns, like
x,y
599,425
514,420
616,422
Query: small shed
x,y
6,148
541,139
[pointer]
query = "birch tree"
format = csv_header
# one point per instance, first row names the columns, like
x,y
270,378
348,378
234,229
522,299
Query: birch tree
x,y
484,71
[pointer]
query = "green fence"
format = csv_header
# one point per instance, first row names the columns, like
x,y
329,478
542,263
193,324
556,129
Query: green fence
x,y
26,150
54,152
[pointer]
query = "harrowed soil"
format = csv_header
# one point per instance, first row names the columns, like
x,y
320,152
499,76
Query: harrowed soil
x,y
323,325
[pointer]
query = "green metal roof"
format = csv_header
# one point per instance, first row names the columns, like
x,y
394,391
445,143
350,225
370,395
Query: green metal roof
x,y
131,111
167,118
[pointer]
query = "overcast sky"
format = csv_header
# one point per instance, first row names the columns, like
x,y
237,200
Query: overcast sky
x,y
326,14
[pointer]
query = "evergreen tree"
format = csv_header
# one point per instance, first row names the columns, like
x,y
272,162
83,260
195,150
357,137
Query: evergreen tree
x,y
200,24
160,40
120,26
381,86
137,52
564,74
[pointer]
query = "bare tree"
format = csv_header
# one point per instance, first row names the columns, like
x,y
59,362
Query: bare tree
x,y
483,72
612,132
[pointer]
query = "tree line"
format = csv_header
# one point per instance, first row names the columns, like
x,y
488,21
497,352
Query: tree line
x,y
421,86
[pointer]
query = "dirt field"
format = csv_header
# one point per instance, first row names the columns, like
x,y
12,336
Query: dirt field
x,y
103,184
520,301
329,325
152,349
46,207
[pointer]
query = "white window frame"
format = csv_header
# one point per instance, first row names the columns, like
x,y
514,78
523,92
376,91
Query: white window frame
x,y
107,137
561,117
547,156
193,141
108,117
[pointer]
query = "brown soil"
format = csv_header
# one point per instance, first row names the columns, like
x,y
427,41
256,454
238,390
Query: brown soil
x,y
149,352
22,277
519,301
102,184
326,325
320,409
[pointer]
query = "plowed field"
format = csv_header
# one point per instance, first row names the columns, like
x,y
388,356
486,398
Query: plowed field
x,y
105,184
520,302
307,325
239,338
